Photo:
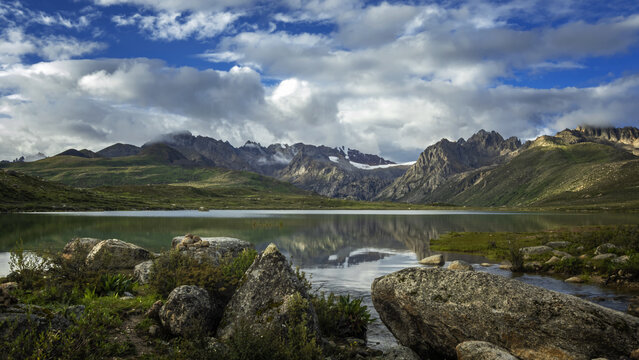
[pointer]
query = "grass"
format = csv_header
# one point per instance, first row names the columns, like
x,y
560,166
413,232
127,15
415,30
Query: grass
x,y
583,242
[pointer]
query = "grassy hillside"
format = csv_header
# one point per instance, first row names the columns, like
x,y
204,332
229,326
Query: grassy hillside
x,y
584,175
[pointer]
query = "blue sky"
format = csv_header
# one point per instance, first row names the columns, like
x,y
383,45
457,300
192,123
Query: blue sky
x,y
386,77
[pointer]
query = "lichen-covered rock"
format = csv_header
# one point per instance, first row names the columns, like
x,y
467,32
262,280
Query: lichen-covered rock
x,y
432,310
187,312
269,296
535,250
142,271
20,318
460,265
605,248
116,254
79,247
211,248
553,260
481,350
399,353
435,260
154,310
621,260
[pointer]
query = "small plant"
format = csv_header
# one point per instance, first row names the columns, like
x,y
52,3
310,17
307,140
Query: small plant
x,y
116,284
340,316
516,257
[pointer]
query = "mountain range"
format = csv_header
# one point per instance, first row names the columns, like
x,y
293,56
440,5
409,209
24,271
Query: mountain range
x,y
586,167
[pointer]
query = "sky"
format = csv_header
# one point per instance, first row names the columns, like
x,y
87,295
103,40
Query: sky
x,y
384,77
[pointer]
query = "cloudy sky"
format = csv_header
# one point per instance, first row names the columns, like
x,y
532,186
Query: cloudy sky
x,y
386,77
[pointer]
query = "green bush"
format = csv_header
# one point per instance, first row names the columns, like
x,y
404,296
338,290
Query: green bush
x,y
173,269
516,257
116,284
571,266
341,316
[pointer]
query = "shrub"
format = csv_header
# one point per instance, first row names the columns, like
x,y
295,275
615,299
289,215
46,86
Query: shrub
x,y
26,267
340,316
571,266
173,269
516,257
114,284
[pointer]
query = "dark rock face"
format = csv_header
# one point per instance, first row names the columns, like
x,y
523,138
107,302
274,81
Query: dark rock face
x,y
119,150
441,161
217,248
266,297
116,254
481,350
19,318
433,310
187,311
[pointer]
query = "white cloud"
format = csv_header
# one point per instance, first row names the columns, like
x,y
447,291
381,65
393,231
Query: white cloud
x,y
179,26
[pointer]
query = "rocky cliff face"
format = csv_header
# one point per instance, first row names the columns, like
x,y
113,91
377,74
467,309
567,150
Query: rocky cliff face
x,y
445,159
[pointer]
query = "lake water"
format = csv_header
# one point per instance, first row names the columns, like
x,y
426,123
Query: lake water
x,y
343,251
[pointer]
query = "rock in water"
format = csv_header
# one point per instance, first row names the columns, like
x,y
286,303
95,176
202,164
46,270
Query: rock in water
x,y
460,265
267,297
436,260
481,350
116,254
432,310
187,311
213,248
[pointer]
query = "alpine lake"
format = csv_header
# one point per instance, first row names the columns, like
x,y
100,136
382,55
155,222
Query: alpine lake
x,y
342,251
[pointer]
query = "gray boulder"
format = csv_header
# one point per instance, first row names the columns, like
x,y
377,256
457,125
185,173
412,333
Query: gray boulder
x,y
142,271
399,353
210,248
604,257
432,310
621,260
116,254
460,265
535,250
187,312
270,295
435,260
481,350
558,244
605,248
79,247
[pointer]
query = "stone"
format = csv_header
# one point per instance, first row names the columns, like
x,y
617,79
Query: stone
x,y
574,280
154,330
505,266
187,312
481,350
633,306
621,260
634,355
269,292
432,310
460,265
6,298
558,244
486,264
583,256
30,318
142,271
435,260
553,260
154,311
116,254
79,247
605,248
535,250
561,254
532,266
399,353
212,248
604,257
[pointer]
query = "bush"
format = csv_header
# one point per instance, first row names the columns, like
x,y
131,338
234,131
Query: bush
x,y
341,316
173,269
26,267
516,257
571,266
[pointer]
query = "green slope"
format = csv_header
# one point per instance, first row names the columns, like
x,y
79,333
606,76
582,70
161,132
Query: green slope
x,y
583,175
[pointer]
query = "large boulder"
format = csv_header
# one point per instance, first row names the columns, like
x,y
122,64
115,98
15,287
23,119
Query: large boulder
x,y
212,248
432,310
481,350
79,247
116,254
187,312
270,295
